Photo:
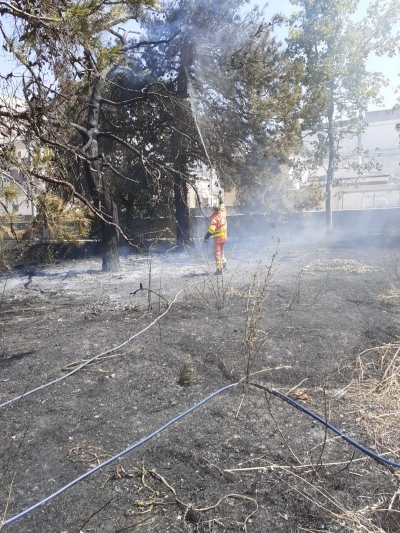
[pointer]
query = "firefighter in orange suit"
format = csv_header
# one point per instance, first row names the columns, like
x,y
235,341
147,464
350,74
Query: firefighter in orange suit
x,y
218,230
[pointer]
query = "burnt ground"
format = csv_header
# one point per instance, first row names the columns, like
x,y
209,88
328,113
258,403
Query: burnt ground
x,y
243,461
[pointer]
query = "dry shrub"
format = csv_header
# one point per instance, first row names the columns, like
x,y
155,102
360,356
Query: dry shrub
x,y
57,224
257,294
373,398
188,374
9,220
391,296
375,390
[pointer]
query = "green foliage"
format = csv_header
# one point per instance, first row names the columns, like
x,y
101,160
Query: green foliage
x,y
274,190
118,118
82,19
8,218
243,92
64,222
9,193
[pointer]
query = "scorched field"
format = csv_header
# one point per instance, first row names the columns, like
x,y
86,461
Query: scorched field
x,y
116,357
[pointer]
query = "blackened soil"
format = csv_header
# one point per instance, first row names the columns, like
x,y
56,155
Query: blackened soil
x,y
243,461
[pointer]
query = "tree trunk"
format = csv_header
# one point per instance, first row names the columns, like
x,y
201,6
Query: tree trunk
x,y
330,171
109,212
181,212
180,159
94,177
110,240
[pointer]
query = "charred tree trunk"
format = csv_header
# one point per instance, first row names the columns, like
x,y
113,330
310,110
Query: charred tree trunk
x,y
110,237
180,158
97,188
181,212
109,222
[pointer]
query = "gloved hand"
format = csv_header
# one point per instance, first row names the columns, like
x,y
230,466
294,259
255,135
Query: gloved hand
x,y
207,236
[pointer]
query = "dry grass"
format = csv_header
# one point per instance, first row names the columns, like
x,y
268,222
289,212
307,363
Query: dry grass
x,y
373,398
347,265
375,393
391,296
188,374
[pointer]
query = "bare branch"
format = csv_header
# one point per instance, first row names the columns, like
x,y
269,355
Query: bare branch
x,y
6,8
120,141
141,44
83,199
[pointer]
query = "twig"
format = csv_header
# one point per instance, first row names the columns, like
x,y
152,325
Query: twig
x,y
191,507
210,463
273,467
325,433
149,290
279,429
71,366
297,386
163,480
143,478
352,460
237,496
240,405
281,367
94,514
137,524
8,500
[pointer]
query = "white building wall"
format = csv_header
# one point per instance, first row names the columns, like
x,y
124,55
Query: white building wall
x,y
380,140
380,145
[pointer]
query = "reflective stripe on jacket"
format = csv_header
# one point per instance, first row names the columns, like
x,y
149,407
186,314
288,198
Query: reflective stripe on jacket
x,y
218,224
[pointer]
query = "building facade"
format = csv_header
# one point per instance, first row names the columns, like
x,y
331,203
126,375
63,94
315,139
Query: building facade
x,y
379,145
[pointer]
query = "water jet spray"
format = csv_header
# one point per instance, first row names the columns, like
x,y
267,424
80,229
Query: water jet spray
x,y
190,95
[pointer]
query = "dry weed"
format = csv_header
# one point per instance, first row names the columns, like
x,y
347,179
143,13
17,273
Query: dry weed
x,y
188,374
347,265
375,391
391,296
373,396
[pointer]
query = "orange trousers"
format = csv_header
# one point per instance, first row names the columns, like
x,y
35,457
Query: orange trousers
x,y
219,254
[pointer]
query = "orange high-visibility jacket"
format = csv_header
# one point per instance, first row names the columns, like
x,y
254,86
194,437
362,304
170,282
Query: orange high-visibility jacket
x,y
218,225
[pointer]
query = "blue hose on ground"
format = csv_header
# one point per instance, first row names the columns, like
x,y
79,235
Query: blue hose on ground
x,y
292,402
112,459
274,392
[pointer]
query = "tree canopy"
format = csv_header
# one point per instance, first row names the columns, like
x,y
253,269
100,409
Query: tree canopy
x,y
119,119
334,44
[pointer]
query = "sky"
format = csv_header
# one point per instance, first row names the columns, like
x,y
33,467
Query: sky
x,y
390,67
